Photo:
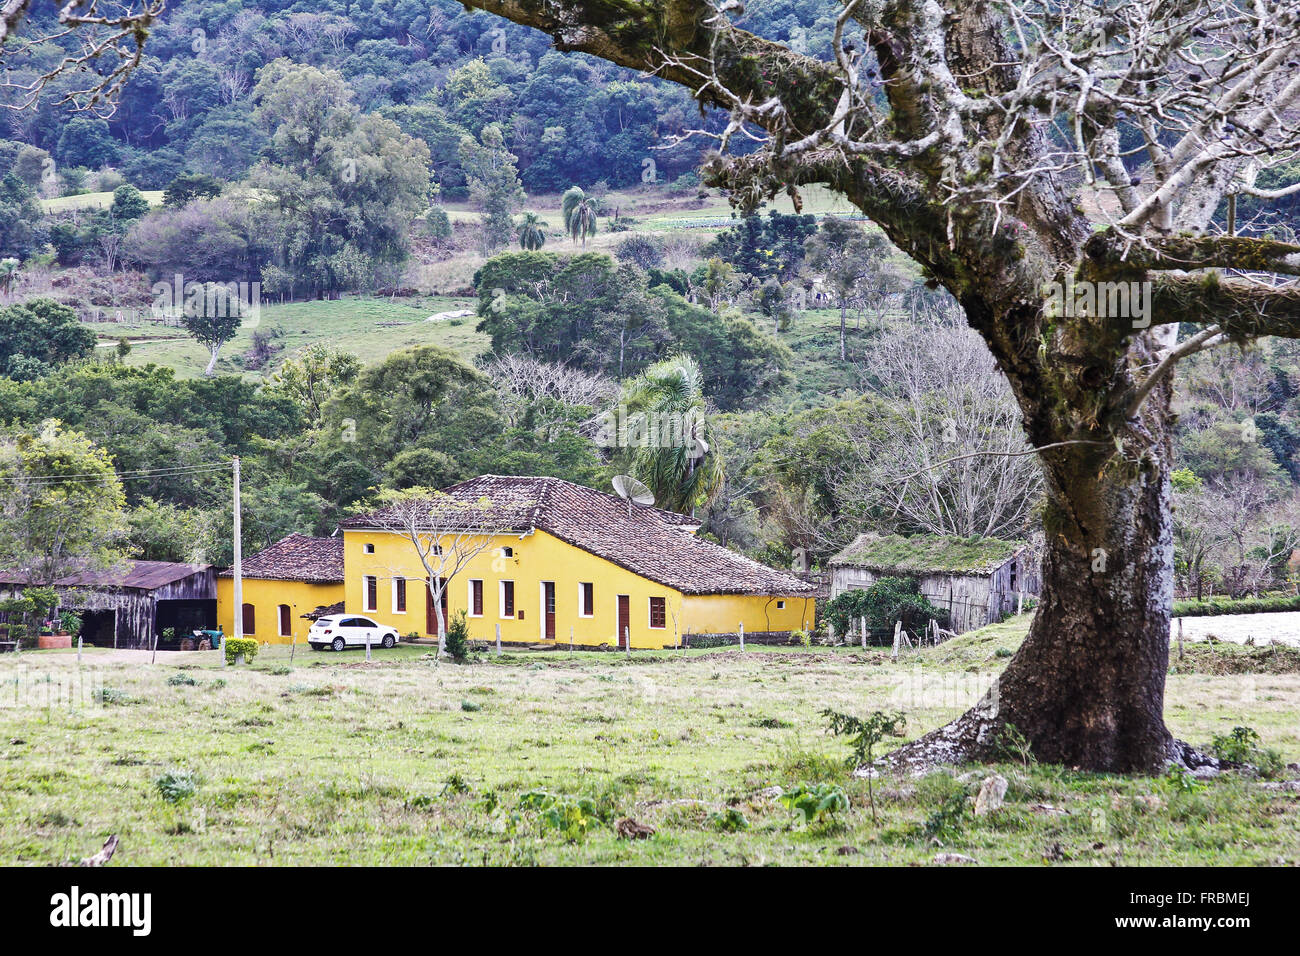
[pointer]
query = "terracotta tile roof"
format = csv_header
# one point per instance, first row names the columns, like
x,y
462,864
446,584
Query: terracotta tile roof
x,y
296,557
655,544
922,553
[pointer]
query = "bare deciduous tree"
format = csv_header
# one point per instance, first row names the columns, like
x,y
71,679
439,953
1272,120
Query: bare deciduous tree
x,y
950,458
526,382
445,532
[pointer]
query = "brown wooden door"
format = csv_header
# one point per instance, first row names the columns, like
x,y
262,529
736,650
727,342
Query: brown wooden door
x,y
548,604
430,616
250,620
286,625
624,619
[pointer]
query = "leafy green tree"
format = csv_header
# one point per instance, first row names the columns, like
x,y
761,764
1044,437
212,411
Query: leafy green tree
x,y
10,269
493,184
86,141
345,185
438,224
212,316
765,248
128,203
43,331
61,504
21,230
420,398
579,211
313,378
187,187
846,256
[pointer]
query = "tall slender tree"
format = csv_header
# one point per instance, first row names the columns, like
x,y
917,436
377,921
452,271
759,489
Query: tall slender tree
x,y
532,232
666,425
579,211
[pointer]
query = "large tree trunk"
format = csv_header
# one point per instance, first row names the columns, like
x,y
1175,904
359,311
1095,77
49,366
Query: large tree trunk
x,y
1086,688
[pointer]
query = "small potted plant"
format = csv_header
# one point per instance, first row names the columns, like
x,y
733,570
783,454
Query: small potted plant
x,y
58,632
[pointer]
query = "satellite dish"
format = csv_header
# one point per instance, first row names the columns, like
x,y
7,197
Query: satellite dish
x,y
633,490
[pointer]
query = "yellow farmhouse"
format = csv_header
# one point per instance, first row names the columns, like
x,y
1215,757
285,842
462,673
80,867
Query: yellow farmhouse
x,y
297,575
561,562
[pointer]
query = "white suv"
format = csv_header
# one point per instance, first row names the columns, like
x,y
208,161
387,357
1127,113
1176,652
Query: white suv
x,y
349,630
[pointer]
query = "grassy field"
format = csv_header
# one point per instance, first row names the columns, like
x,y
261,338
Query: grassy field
x,y
95,201
533,758
370,328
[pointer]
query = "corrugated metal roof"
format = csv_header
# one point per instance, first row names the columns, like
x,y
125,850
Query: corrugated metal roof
x,y
145,575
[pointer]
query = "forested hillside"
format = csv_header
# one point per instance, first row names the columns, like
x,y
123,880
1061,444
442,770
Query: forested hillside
x,y
467,249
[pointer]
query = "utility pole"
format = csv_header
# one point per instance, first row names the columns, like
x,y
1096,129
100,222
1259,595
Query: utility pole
x,y
237,624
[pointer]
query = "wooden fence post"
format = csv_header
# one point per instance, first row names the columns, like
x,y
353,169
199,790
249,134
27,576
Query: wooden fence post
x,y
1180,638
742,635
898,627
627,641
570,638
498,638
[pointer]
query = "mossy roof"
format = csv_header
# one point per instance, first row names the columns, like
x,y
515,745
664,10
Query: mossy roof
x,y
923,553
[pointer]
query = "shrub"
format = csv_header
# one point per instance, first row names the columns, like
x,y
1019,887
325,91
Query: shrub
x,y
176,784
438,224
240,645
730,820
69,622
458,637
181,680
573,817
815,803
884,602
1244,746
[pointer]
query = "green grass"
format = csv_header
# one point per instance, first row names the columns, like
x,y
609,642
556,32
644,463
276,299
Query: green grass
x,y
405,761
370,328
95,201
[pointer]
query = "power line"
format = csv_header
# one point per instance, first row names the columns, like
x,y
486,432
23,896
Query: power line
x,y
133,475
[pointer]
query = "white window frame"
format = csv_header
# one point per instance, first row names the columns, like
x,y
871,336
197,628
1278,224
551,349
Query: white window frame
x,y
581,584
368,548
501,600
649,615
780,605
408,594
469,598
365,593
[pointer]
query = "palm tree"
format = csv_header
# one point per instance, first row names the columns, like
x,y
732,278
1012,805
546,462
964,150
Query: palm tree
x,y
8,274
532,234
666,404
579,214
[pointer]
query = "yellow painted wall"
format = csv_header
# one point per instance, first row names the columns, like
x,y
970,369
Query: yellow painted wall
x,y
541,557
266,597
722,613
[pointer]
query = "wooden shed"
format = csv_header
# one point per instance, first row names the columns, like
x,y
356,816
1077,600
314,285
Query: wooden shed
x,y
977,580
128,605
